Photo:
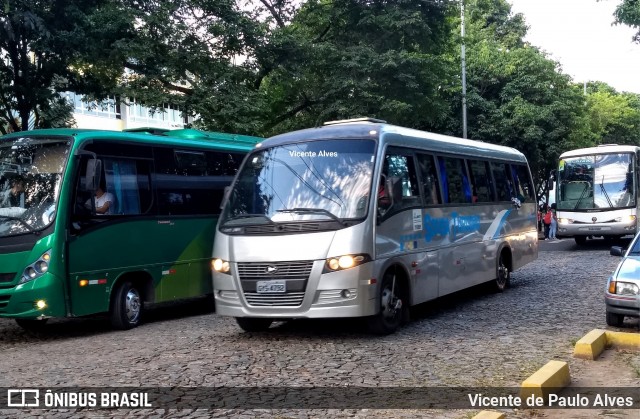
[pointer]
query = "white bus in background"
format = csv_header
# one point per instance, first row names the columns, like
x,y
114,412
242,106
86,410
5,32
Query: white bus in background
x,y
597,192
360,218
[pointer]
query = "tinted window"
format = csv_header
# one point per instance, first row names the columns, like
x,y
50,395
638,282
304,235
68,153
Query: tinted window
x,y
399,181
522,181
502,180
193,181
455,182
429,178
481,186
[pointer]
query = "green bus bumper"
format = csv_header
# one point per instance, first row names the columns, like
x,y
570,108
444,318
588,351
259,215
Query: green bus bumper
x,y
21,300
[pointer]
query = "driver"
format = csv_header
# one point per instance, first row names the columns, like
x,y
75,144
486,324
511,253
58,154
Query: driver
x,y
13,197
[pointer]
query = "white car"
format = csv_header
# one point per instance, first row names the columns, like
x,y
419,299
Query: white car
x,y
622,295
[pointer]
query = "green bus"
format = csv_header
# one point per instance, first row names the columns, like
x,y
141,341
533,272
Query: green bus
x,y
106,222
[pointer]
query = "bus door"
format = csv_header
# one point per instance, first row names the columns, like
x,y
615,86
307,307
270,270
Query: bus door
x,y
102,246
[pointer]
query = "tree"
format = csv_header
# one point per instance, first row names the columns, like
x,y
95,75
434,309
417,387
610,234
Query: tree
x,y
49,46
350,58
628,13
516,96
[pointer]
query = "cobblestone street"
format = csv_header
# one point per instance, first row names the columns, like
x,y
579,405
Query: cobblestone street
x,y
474,339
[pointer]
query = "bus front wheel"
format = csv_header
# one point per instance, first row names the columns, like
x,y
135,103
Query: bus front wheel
x,y
392,307
126,307
251,324
580,240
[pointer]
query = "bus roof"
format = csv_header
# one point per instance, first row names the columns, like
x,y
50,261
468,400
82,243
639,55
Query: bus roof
x,y
358,129
184,137
601,149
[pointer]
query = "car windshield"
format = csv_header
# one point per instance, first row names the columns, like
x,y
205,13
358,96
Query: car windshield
x,y
30,173
327,180
635,248
602,181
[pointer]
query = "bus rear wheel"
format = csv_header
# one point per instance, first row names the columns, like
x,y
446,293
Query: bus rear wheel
x,y
126,307
32,325
392,307
503,276
252,324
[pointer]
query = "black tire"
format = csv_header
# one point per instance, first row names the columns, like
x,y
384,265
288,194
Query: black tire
x,y
32,325
126,307
614,319
252,324
392,308
503,276
580,240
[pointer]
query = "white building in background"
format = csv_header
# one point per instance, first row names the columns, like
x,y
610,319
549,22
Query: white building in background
x,y
112,114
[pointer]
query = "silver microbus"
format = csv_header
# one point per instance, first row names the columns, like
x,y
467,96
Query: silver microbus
x,y
360,218
597,192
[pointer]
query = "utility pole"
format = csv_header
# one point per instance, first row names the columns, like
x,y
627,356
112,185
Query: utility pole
x,y
464,73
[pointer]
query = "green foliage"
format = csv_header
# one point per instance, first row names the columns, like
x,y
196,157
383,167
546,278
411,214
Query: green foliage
x,y
628,13
41,45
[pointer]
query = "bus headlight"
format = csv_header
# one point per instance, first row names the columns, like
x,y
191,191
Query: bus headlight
x,y
626,219
565,221
37,268
221,266
344,262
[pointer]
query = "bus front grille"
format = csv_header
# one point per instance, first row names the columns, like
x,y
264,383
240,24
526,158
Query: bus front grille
x,y
276,270
294,273
7,277
290,299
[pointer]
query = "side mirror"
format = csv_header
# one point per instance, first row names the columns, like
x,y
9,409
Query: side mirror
x,y
616,251
93,174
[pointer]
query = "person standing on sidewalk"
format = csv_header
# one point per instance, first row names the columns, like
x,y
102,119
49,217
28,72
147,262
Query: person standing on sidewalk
x,y
547,223
553,226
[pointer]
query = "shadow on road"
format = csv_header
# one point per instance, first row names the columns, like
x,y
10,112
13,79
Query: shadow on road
x,y
57,329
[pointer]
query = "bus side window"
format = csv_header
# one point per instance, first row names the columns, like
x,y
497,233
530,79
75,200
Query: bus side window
x,y
455,181
429,177
502,180
402,181
481,180
524,188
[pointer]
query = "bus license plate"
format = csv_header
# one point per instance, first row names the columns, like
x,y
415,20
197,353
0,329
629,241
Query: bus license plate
x,y
273,286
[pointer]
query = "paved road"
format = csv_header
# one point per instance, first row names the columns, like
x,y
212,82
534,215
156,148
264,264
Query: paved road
x,y
476,338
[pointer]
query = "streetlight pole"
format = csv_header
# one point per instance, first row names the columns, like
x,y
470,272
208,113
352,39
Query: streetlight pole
x,y
464,73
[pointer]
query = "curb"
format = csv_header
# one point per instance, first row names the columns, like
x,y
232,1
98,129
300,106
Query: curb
x,y
594,343
551,377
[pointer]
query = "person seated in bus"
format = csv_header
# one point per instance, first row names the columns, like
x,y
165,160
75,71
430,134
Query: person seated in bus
x,y
104,202
14,196
384,199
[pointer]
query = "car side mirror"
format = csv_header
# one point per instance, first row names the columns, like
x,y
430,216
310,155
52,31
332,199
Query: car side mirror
x,y
616,251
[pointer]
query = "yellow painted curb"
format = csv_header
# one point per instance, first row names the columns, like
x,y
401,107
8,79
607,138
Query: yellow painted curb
x,y
594,342
591,345
553,376
489,414
623,340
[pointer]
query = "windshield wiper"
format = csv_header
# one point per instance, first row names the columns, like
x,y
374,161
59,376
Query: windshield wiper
x,y
604,191
241,216
313,211
584,192
21,221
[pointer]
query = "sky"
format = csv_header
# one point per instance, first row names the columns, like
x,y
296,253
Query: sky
x,y
579,34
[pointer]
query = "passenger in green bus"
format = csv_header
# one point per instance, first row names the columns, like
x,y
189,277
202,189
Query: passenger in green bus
x,y
13,197
104,202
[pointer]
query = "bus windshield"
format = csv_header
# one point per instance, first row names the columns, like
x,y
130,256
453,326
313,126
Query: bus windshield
x,y
326,180
30,173
601,181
